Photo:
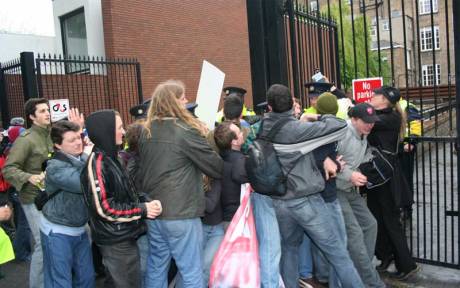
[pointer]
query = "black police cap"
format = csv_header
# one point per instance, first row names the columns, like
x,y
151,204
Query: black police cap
x,y
140,111
317,88
234,90
391,93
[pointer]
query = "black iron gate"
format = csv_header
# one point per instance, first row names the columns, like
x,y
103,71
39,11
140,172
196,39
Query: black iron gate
x,y
413,45
89,83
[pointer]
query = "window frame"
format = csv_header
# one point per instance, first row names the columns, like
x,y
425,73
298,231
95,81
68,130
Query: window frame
x,y
436,75
85,69
426,3
423,40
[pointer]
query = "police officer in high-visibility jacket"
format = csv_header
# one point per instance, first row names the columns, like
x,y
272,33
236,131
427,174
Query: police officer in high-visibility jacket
x,y
232,90
315,89
407,151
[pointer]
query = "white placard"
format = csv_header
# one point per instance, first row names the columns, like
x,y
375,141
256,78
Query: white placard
x,y
208,95
59,109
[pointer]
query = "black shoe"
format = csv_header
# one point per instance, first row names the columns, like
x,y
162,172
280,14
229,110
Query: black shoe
x,y
384,264
401,276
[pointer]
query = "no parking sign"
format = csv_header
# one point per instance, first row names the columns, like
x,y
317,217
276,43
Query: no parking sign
x,y
363,89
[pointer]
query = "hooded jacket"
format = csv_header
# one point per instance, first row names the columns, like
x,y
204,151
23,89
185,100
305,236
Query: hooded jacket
x,y
293,145
114,205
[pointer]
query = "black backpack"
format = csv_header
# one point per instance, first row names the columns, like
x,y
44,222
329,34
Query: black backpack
x,y
262,165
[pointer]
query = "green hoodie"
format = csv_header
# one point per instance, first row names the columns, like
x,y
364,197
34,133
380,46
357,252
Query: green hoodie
x,y
25,159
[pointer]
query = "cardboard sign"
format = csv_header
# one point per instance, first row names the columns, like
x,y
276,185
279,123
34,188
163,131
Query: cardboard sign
x,y
59,109
363,88
208,95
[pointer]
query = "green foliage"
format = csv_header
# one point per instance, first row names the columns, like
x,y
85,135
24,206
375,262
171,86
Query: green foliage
x,y
348,72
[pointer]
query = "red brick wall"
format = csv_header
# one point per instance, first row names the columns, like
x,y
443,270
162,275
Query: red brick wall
x,y
172,38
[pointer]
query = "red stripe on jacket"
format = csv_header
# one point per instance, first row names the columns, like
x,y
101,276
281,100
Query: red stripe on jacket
x,y
105,203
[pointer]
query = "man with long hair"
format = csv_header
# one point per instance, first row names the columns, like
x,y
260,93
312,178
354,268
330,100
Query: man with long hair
x,y
174,154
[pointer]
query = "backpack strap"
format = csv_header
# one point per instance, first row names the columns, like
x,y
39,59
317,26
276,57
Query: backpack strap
x,y
276,128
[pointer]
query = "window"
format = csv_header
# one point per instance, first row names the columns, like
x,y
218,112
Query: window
x,y
426,38
74,42
385,25
428,75
424,6
373,30
408,59
313,5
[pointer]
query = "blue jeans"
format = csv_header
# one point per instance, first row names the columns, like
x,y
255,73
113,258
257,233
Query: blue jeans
x,y
310,215
67,260
36,264
143,245
322,266
22,241
212,237
268,236
178,239
311,254
305,258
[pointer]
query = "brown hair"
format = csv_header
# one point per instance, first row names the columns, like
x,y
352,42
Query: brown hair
x,y
133,133
165,103
224,136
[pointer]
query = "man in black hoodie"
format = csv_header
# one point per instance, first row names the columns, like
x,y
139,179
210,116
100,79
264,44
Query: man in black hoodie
x,y
116,209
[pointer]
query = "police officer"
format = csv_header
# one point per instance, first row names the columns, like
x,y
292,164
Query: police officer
x,y
315,89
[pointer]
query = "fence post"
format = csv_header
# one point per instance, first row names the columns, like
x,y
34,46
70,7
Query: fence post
x,y
267,45
455,11
4,108
29,82
139,82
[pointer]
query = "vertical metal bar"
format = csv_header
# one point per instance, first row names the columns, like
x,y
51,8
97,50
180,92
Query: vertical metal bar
x,y
139,82
298,43
337,58
39,76
86,80
292,38
406,76
354,40
435,70
365,38
430,163
438,202
343,46
320,38
391,45
445,201
449,76
456,21
417,197
419,60
378,35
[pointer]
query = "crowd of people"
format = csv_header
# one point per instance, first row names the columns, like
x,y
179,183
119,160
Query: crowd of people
x,y
154,202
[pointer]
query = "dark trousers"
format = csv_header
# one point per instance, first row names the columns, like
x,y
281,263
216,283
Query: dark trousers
x,y
122,263
391,240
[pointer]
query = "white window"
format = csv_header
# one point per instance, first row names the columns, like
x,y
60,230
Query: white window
x,y
313,5
424,6
386,25
426,38
373,30
428,75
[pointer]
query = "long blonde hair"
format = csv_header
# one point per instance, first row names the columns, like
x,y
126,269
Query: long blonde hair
x,y
402,128
165,103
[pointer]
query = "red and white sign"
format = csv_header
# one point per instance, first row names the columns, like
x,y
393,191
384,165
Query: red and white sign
x,y
363,88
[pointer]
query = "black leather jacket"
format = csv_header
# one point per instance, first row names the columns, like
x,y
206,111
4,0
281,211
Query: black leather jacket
x,y
115,207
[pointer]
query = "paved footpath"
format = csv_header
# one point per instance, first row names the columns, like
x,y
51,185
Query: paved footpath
x,y
16,276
